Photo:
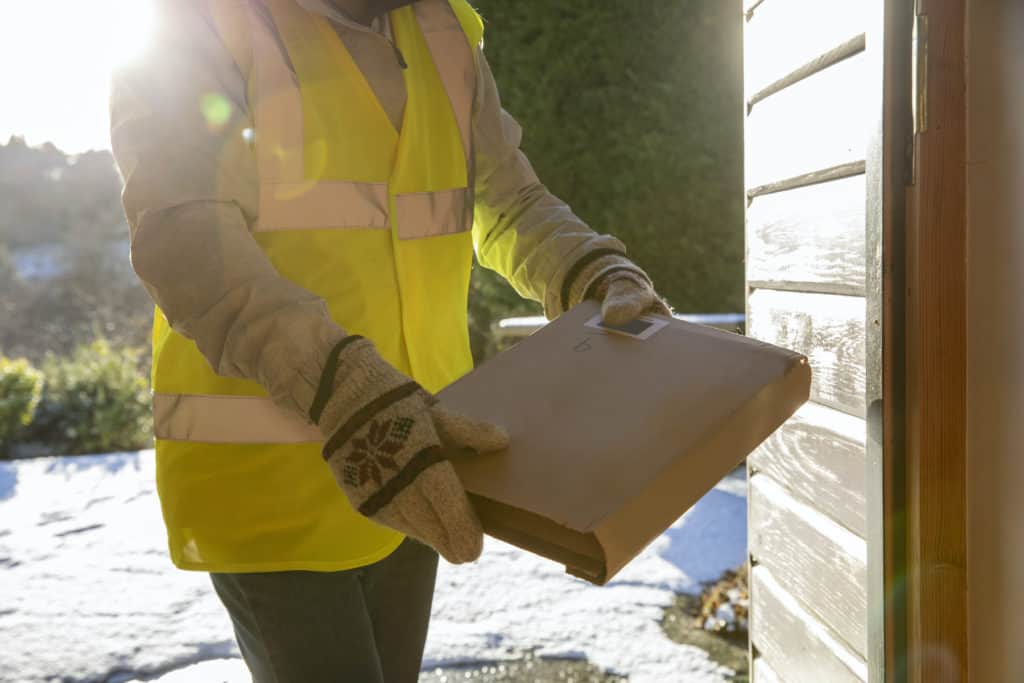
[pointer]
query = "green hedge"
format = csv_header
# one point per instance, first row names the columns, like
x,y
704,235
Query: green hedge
x,y
20,389
95,401
632,112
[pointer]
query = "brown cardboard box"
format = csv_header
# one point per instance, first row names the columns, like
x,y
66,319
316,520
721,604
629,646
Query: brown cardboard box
x,y
614,437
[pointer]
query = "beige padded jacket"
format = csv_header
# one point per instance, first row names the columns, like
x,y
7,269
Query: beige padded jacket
x,y
191,194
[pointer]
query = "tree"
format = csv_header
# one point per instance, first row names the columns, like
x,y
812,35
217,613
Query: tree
x,y
633,114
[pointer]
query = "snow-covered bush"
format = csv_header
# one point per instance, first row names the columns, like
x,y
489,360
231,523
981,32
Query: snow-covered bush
x,y
95,401
20,387
725,606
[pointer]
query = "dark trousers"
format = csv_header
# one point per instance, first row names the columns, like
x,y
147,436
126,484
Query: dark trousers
x,y
365,625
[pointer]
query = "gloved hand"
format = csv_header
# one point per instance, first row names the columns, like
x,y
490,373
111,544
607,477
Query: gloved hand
x,y
624,290
388,443
625,296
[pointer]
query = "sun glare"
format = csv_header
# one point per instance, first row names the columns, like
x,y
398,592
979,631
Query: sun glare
x,y
58,55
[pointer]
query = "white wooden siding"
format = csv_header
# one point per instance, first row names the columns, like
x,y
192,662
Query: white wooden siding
x,y
761,671
819,456
817,123
784,35
820,561
799,648
809,239
808,88
828,329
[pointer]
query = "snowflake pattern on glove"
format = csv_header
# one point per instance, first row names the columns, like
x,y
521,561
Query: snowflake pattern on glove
x,y
376,451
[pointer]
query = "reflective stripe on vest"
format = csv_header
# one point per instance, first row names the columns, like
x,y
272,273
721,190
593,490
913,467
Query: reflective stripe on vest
x,y
227,419
304,206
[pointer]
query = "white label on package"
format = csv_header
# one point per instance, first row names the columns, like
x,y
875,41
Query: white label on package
x,y
644,327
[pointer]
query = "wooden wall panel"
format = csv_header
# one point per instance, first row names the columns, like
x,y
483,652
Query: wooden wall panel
x,y
819,455
818,123
812,91
783,35
810,239
799,647
823,564
828,329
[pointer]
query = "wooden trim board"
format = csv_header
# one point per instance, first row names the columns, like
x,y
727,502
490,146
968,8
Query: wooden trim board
x,y
936,358
889,160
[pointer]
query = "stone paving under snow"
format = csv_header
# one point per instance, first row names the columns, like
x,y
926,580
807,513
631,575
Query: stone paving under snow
x,y
87,593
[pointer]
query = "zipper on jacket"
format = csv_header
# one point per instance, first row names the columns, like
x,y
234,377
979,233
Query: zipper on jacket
x,y
398,53
387,35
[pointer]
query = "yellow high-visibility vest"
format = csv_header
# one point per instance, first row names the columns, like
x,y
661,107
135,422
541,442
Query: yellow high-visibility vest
x,y
375,221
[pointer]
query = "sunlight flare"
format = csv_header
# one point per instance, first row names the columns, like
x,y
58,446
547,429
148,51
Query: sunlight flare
x,y
58,56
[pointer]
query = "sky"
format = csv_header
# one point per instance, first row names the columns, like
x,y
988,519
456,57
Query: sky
x,y
56,58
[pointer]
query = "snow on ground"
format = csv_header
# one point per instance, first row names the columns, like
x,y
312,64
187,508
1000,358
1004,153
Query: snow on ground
x,y
87,592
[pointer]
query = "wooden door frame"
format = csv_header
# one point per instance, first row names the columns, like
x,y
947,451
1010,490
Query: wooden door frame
x,y
918,434
916,342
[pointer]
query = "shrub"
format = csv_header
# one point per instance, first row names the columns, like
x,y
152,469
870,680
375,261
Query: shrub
x,y
20,388
642,136
725,606
633,114
490,300
94,401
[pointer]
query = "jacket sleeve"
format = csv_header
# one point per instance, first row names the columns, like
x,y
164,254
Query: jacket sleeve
x,y
520,229
180,133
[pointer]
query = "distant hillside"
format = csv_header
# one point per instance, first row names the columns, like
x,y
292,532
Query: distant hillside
x,y
65,277
47,196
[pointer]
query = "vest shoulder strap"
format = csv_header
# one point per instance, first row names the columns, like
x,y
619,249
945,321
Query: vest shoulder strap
x,y
231,19
472,23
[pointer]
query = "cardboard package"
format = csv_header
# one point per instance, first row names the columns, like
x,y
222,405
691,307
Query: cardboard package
x,y
614,437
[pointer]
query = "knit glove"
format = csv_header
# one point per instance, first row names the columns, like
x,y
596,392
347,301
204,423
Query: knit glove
x,y
388,444
625,296
624,290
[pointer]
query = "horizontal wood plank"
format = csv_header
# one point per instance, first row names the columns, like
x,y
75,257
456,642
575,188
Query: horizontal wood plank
x,y
819,454
823,564
799,647
750,5
828,329
762,672
818,123
848,49
781,36
813,178
811,237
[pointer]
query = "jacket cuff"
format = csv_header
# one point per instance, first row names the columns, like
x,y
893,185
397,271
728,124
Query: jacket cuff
x,y
585,275
291,372
564,267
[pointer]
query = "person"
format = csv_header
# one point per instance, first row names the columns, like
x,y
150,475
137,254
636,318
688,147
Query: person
x,y
306,182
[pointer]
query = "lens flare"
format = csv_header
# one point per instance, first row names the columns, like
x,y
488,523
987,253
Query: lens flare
x,y
216,110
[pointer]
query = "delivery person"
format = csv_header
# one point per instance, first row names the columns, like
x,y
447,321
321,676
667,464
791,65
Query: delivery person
x,y
306,182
